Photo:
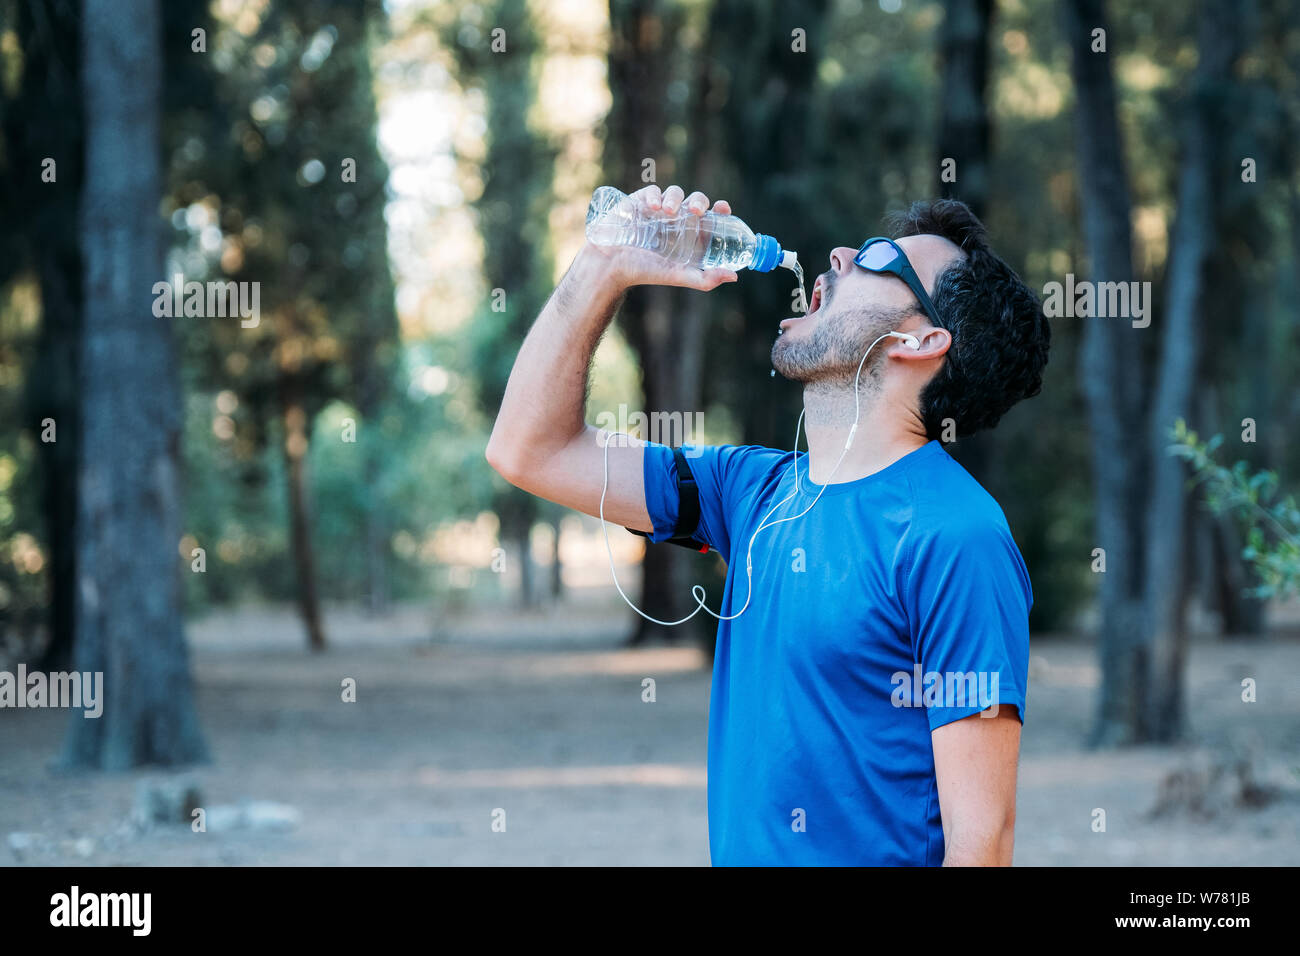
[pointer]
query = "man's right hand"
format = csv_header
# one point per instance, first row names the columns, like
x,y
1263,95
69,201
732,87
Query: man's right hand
x,y
628,266
540,441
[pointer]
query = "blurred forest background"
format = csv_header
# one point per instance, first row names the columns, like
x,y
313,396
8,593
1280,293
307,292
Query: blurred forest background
x,y
407,181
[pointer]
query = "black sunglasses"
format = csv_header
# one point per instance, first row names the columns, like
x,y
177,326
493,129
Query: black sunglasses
x,y
883,255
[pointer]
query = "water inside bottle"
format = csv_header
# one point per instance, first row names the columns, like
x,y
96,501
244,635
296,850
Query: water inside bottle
x,y
724,247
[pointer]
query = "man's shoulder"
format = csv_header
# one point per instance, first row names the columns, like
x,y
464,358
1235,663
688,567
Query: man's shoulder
x,y
950,504
958,527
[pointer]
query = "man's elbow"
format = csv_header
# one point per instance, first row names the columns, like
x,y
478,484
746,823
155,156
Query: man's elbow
x,y
504,461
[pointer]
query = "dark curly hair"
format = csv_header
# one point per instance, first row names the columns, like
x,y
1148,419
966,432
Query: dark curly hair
x,y
1000,336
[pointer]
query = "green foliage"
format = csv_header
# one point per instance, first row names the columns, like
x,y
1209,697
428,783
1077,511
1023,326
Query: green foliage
x,y
1271,520
512,209
262,197
430,471
275,178
517,175
234,511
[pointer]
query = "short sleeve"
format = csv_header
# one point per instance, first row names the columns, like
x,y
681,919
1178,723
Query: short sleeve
x,y
968,597
723,473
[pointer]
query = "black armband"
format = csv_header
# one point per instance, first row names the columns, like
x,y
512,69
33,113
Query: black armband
x,y
688,508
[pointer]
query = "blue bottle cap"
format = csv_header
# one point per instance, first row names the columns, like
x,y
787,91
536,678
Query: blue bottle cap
x,y
766,254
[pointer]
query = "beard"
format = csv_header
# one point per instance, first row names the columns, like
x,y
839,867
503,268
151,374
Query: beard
x,y
832,353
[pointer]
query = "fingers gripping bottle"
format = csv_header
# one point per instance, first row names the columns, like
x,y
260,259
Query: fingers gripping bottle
x,y
711,241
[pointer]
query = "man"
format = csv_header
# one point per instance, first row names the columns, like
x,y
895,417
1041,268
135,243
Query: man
x,y
867,702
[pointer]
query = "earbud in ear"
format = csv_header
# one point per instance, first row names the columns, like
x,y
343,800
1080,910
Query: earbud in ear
x,y
911,341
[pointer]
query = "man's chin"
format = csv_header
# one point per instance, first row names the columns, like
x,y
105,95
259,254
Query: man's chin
x,y
787,368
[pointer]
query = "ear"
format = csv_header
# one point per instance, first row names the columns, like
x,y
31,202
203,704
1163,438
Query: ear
x,y
934,344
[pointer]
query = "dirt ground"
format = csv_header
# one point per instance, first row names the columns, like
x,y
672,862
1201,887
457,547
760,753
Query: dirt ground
x,y
542,717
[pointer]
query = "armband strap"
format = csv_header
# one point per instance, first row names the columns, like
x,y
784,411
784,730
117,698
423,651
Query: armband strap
x,y
688,508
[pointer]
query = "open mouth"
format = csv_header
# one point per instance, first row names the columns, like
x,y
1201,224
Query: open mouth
x,y
814,304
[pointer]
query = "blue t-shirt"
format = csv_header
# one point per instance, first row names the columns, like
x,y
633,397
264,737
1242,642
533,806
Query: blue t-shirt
x,y
899,603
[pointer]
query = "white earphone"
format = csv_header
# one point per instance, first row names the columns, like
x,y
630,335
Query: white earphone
x,y
697,592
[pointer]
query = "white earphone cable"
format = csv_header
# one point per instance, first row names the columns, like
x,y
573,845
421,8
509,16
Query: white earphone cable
x,y
697,591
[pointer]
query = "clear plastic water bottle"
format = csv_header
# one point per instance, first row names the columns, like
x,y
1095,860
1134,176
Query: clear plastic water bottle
x,y
711,241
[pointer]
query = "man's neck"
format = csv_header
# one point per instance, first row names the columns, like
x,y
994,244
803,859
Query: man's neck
x,y
887,430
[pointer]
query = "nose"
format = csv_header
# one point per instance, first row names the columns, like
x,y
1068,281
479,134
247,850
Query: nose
x,y
842,259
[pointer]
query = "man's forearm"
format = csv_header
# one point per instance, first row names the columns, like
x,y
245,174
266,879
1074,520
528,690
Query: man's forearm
x,y
545,399
981,847
542,412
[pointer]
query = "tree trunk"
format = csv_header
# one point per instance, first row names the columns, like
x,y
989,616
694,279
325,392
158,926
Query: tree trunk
x,y
1226,577
1243,615
1111,376
517,514
128,608
964,138
557,566
1142,507
51,124
377,593
1219,44
964,123
297,433
669,343
54,396
643,33
520,539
